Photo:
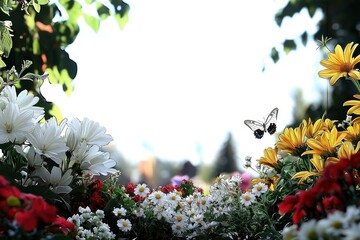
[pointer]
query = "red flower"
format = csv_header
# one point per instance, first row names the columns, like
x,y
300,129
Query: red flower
x,y
288,204
62,225
43,210
27,220
130,188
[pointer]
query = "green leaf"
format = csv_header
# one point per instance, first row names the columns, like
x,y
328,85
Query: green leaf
x,y
5,39
6,6
73,9
121,20
289,45
89,1
102,10
2,63
274,55
92,21
37,7
42,2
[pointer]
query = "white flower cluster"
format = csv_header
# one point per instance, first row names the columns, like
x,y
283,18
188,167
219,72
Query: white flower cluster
x,y
337,226
69,145
90,225
195,213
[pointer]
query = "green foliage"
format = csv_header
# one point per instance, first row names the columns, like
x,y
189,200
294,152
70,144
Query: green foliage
x,y
43,32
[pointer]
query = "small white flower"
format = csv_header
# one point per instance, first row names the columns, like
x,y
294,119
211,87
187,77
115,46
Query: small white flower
x,y
156,197
124,225
173,198
308,231
119,211
290,232
259,189
247,198
178,228
142,190
352,233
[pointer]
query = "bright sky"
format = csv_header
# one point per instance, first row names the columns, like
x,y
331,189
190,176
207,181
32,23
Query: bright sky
x,y
182,74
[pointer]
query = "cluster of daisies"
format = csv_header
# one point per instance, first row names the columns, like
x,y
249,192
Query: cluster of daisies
x,y
187,215
49,153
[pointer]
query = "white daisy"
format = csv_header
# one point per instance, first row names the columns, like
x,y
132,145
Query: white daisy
x,y
124,225
119,211
47,140
173,198
142,190
15,124
308,230
289,232
352,233
89,131
178,228
259,189
156,197
180,217
247,198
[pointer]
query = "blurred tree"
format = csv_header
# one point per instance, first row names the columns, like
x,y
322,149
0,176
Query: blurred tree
x,y
341,22
226,159
42,30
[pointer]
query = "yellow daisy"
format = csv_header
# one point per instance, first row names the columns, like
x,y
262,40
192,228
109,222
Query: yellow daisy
x,y
325,145
347,149
341,64
292,140
318,163
270,158
355,109
353,133
317,128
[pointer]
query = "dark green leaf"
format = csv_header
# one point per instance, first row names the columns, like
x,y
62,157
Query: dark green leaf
x,y
274,55
289,45
102,10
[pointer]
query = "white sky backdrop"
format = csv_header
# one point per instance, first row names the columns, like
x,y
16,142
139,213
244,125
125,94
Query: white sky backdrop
x,y
182,74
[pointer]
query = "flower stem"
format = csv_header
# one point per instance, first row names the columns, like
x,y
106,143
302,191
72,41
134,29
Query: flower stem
x,y
356,83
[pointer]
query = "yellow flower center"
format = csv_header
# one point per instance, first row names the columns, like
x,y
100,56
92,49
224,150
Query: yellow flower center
x,y
247,197
259,188
173,197
157,196
13,201
141,189
125,224
179,218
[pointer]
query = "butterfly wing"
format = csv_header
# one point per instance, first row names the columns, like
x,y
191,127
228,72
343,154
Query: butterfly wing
x,y
257,127
270,122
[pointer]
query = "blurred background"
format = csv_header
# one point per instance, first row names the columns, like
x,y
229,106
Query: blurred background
x,y
173,81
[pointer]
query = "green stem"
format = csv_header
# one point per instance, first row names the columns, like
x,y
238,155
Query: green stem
x,y
356,83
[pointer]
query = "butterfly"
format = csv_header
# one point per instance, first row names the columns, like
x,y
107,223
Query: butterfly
x,y
260,128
